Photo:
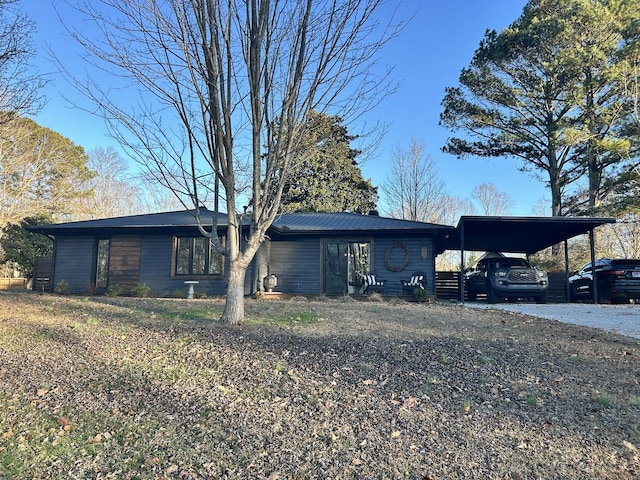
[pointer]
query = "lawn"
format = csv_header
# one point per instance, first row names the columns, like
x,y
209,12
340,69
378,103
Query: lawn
x,y
130,388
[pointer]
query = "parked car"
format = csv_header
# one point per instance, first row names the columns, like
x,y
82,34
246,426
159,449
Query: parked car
x,y
618,281
506,277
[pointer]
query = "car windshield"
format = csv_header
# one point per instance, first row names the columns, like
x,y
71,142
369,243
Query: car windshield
x,y
509,263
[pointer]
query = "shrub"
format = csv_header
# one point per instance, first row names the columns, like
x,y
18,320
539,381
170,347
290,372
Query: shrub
x,y
375,297
420,294
114,290
141,290
61,287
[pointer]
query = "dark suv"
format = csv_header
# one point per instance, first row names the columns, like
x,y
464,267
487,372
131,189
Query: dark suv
x,y
506,277
618,281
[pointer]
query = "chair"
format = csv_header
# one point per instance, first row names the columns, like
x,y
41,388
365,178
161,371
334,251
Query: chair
x,y
417,280
372,284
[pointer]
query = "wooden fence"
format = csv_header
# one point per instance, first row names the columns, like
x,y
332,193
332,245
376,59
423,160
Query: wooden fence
x,y
8,283
448,286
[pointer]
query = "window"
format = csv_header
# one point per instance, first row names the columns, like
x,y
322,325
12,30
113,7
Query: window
x,y
102,263
196,256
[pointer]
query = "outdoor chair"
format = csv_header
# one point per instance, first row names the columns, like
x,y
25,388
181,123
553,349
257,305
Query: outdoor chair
x,y
417,280
372,283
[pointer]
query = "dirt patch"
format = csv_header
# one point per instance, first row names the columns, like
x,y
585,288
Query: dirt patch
x,y
138,388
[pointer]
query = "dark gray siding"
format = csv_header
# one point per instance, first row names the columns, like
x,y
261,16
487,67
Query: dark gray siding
x,y
155,270
396,258
74,259
296,263
155,265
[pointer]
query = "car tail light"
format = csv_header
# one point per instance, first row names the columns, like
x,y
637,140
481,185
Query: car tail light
x,y
616,273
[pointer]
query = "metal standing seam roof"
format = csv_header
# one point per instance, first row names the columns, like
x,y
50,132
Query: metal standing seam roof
x,y
182,218
520,234
284,223
348,222
473,233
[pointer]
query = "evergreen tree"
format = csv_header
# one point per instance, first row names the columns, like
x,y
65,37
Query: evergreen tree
x,y
22,247
546,91
327,177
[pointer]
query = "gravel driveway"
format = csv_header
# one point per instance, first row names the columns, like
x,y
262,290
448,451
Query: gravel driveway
x,y
622,319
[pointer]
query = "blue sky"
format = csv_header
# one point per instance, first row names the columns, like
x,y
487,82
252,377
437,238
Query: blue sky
x,y
428,56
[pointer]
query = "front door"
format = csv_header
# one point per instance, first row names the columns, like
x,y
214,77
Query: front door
x,y
344,263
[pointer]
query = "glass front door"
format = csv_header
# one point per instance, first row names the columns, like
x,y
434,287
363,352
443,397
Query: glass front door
x,y
344,264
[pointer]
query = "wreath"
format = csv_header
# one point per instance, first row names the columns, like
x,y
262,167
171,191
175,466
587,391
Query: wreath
x,y
387,257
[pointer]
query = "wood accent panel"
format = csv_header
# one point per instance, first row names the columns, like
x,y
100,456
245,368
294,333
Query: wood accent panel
x,y
124,261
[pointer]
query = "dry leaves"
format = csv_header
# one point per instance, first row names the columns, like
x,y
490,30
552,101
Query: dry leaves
x,y
373,391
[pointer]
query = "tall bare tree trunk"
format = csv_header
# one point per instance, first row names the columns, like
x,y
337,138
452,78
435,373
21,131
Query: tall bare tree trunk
x,y
234,306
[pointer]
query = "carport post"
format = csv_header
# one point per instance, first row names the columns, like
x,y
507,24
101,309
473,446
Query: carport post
x,y
594,274
461,279
567,288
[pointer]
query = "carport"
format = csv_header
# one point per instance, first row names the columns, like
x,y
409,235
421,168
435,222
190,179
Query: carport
x,y
526,235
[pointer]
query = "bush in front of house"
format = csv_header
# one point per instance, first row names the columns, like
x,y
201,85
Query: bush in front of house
x,y
420,294
62,287
141,290
114,291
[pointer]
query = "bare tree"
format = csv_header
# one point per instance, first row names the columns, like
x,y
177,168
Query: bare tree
x,y
19,85
449,213
41,172
224,84
452,208
113,192
491,200
154,197
621,239
413,190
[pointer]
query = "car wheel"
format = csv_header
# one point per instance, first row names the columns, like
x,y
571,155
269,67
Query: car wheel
x,y
542,298
620,301
572,296
492,297
583,296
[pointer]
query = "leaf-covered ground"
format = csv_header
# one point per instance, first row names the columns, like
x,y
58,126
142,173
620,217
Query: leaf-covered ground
x,y
143,388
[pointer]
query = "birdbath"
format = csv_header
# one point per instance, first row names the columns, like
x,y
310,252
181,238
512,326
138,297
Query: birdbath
x,y
191,283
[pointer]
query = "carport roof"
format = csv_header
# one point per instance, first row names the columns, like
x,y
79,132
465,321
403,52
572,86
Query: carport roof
x,y
520,234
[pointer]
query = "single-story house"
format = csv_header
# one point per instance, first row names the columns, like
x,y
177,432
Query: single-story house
x,y
309,253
